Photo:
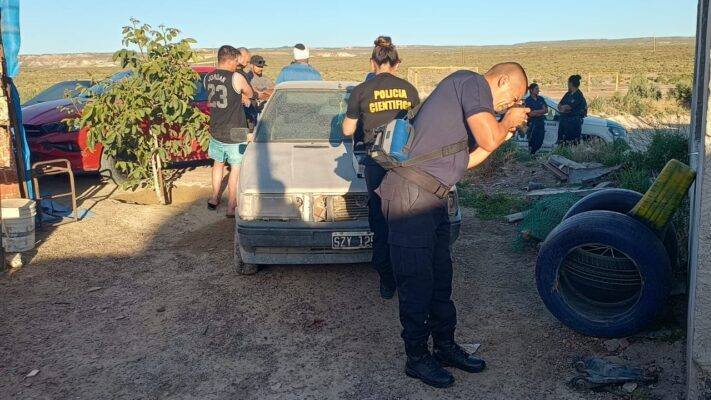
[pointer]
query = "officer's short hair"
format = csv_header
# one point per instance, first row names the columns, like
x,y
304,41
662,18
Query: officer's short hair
x,y
227,53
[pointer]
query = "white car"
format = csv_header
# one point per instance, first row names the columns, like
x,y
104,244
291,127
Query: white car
x,y
301,200
593,127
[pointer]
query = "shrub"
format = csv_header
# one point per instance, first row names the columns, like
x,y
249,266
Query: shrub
x,y
138,119
643,88
681,93
666,145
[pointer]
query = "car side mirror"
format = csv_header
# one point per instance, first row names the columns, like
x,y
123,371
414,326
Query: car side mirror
x,y
239,135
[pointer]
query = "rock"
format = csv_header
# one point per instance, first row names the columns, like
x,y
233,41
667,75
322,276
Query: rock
x,y
93,289
160,309
624,343
629,387
276,386
471,348
13,260
32,373
612,344
120,317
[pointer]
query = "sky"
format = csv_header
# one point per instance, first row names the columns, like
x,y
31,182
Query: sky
x,y
75,26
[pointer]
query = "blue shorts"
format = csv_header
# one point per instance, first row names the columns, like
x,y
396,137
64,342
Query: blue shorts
x,y
226,152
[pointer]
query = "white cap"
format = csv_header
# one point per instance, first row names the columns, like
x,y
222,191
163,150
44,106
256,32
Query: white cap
x,y
301,54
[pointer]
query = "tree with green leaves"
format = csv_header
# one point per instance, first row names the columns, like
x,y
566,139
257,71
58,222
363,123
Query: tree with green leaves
x,y
146,117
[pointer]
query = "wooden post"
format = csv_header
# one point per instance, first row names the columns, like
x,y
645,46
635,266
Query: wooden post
x,y
617,82
417,79
589,82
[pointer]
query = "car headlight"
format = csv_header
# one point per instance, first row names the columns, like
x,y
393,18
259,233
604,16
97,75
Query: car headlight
x,y
618,132
270,206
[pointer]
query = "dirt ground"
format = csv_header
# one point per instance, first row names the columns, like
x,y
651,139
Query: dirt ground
x,y
141,302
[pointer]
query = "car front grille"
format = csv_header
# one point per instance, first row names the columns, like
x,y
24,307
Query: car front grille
x,y
348,207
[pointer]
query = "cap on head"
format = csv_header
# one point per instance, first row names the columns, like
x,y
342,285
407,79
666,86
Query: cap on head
x,y
301,52
259,61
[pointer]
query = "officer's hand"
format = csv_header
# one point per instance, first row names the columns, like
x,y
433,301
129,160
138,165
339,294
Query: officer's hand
x,y
515,117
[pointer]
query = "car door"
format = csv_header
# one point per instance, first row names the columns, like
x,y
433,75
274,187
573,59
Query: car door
x,y
552,122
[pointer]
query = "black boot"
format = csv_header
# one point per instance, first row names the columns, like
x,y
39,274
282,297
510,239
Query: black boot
x,y
387,286
421,365
450,354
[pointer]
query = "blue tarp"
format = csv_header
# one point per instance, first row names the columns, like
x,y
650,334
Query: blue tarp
x,y
11,44
11,35
53,212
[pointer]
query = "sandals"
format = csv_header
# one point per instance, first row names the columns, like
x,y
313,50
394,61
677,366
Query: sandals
x,y
211,206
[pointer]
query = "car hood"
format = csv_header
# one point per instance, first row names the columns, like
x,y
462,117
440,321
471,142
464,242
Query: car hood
x,y
317,167
595,120
51,111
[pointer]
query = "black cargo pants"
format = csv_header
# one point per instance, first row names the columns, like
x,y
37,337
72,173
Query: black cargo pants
x,y
419,232
374,175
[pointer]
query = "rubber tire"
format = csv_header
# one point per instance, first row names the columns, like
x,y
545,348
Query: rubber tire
x,y
601,278
627,235
246,269
109,164
622,201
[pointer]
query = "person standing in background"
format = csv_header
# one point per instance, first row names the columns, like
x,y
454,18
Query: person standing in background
x,y
373,103
536,118
299,69
226,89
573,108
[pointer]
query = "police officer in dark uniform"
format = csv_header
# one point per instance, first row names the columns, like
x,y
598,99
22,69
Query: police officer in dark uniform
x,y
414,200
373,103
573,108
536,119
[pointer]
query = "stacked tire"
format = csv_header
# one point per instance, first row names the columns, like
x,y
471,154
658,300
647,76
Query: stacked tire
x,y
603,273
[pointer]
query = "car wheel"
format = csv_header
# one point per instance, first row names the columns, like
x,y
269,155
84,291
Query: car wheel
x,y
246,268
108,167
639,274
622,201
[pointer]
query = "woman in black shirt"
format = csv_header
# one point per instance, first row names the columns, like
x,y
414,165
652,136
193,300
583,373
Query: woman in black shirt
x,y
573,108
373,103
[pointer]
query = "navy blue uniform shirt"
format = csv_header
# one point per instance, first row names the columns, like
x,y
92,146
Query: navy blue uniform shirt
x,y
534,105
577,103
442,120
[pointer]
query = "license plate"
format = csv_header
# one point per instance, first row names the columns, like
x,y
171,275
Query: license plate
x,y
352,240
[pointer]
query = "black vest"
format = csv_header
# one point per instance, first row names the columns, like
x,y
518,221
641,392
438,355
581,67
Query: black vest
x,y
226,109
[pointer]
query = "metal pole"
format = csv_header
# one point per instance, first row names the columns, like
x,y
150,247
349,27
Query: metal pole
x,y
698,341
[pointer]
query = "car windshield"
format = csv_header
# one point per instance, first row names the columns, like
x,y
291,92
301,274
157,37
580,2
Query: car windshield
x,y
100,87
303,115
58,90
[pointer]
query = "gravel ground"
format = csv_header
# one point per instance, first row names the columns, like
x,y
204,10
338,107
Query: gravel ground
x,y
141,302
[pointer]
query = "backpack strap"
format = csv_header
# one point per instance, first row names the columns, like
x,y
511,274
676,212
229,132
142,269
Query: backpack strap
x,y
445,151
424,180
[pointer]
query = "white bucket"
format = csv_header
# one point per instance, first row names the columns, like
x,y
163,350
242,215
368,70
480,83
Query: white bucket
x,y
18,224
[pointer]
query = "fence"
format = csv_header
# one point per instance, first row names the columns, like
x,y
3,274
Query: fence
x,y
593,84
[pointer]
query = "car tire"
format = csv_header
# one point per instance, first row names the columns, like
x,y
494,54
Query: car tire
x,y
108,167
246,268
622,201
628,237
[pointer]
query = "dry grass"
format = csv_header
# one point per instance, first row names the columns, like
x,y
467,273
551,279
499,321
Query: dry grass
x,y
547,63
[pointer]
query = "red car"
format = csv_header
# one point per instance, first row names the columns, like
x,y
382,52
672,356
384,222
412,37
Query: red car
x,y
49,138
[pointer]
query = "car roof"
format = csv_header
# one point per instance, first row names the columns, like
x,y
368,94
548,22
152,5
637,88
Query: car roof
x,y
323,85
204,70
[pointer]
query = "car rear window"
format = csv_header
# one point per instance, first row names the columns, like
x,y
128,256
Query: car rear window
x,y
303,115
